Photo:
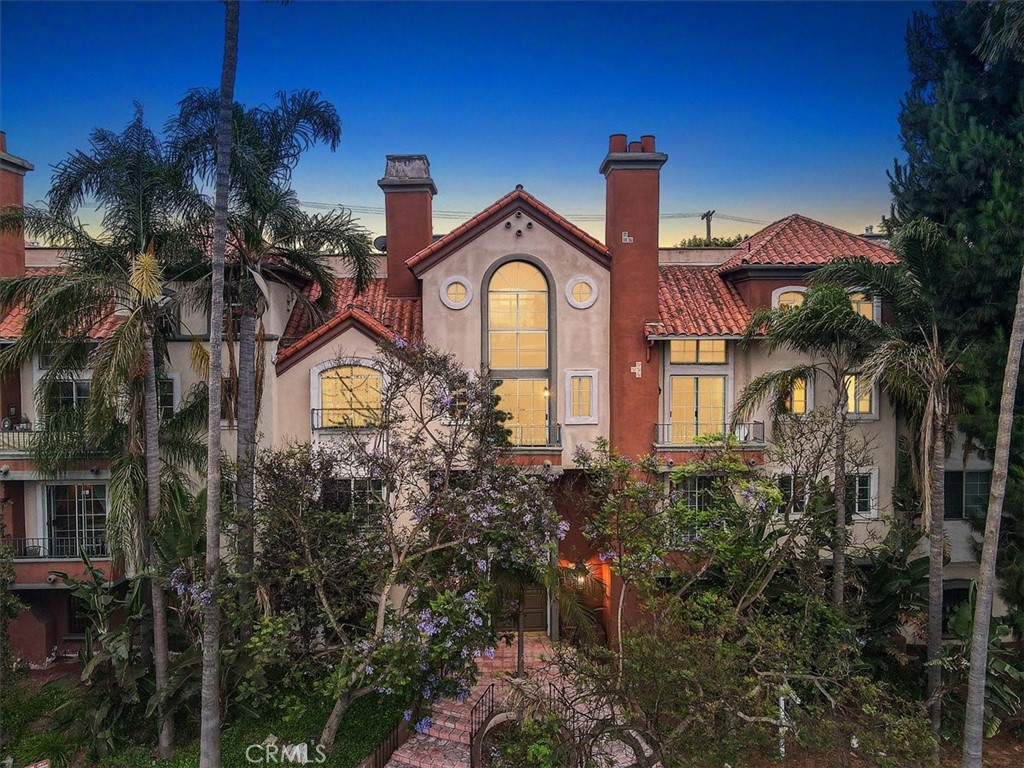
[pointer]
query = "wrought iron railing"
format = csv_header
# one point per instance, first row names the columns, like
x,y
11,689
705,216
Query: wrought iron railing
x,y
382,754
342,418
534,436
478,717
57,547
17,440
686,433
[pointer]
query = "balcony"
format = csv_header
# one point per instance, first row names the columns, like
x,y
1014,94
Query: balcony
x,y
750,434
540,437
57,548
17,442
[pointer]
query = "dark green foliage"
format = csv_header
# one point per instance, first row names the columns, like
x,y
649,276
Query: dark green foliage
x,y
696,241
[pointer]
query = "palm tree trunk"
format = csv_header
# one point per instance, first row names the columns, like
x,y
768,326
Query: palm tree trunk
x,y
209,736
244,482
935,511
974,718
839,492
158,596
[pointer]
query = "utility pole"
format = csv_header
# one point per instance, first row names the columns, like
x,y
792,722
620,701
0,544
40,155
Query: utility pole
x,y
706,216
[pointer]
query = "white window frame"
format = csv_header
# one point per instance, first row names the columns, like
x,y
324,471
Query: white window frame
x,y
876,303
592,374
808,395
797,512
338,362
875,412
175,379
872,473
786,289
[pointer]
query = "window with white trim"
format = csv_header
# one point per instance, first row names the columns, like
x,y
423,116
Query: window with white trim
x,y
696,407
347,494
350,397
796,401
862,493
697,351
788,296
795,494
966,494
581,397
76,519
166,399
860,394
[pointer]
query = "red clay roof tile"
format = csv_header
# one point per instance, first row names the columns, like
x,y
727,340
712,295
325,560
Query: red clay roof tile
x,y
799,241
373,308
694,300
13,321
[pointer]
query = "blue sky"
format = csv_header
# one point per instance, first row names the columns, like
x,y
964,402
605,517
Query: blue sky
x,y
764,109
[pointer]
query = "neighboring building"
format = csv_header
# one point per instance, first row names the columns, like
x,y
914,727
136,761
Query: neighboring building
x,y
621,339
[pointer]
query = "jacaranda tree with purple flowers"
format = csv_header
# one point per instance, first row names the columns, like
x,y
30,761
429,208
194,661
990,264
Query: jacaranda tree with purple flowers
x,y
376,544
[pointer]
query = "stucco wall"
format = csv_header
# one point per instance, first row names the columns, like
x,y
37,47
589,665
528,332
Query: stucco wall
x,y
579,336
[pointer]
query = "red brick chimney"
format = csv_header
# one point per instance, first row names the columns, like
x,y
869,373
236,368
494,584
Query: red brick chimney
x,y
631,233
408,195
12,192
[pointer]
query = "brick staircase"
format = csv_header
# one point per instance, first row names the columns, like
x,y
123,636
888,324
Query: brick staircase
x,y
446,743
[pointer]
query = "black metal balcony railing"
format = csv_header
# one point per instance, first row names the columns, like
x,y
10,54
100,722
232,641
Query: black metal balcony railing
x,y
534,436
17,440
57,548
342,418
751,433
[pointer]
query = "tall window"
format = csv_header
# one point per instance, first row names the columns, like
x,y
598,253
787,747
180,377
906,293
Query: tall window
x,y
697,407
76,517
794,494
859,495
350,397
860,395
967,494
517,344
796,399
165,397
69,395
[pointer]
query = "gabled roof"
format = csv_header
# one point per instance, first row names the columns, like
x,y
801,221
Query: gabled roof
x,y
517,198
694,300
373,310
12,323
799,241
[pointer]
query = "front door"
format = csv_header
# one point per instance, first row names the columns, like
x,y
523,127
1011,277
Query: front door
x,y
535,612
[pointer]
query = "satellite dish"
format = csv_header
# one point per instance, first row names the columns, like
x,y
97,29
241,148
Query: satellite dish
x,y
381,243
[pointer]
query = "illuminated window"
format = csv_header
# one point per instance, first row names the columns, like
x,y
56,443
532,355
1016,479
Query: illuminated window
x,y
525,402
860,395
796,400
581,397
517,316
790,299
350,396
683,351
863,305
697,407
581,292
456,293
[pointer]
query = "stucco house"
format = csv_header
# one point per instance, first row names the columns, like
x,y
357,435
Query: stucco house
x,y
622,339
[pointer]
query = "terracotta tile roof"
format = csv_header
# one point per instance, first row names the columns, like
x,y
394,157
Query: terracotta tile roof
x,y
13,321
694,300
372,308
518,195
799,241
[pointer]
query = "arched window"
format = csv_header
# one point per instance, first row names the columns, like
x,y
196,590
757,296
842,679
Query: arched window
x,y
350,397
791,299
518,349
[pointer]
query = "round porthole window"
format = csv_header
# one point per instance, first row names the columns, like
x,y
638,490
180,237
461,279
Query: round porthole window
x,y
581,292
456,292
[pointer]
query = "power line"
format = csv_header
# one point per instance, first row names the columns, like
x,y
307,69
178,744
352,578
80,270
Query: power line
x,y
463,215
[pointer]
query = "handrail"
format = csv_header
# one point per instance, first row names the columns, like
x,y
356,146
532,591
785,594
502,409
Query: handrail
x,y
686,433
56,547
478,717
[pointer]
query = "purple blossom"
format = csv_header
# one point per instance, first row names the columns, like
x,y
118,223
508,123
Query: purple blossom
x,y
481,565
489,653
423,725
605,556
401,344
407,715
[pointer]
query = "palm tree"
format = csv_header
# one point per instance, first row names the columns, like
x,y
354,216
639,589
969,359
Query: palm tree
x,y
209,734
836,339
115,281
916,363
1004,32
270,238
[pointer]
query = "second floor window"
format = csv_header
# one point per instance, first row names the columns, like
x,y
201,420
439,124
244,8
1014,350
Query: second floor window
x,y
697,407
859,495
967,494
525,403
76,517
517,318
690,351
69,395
862,305
796,399
350,396
860,395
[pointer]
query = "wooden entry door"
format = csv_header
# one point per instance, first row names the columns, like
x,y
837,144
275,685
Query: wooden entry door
x,y
535,612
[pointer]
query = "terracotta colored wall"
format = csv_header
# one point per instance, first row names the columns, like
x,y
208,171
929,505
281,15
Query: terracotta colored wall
x,y
757,292
12,245
632,201
410,229
37,630
14,509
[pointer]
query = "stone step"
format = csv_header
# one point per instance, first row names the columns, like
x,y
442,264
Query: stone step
x,y
425,751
